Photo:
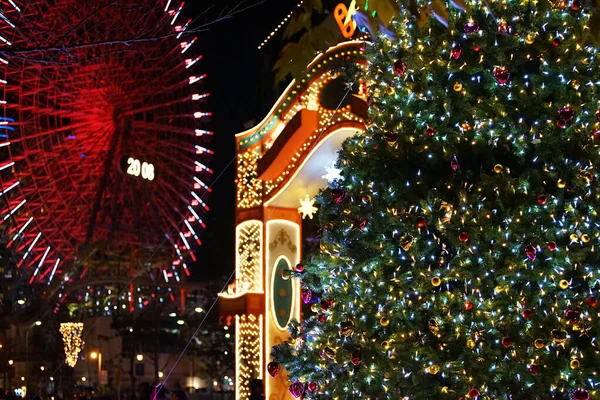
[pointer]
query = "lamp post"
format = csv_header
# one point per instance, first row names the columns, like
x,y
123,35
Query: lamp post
x,y
97,355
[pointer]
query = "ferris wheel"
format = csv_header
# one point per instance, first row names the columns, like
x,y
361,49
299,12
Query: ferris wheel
x,y
102,134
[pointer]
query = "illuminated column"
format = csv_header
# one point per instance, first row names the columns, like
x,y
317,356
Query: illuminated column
x,y
249,257
248,343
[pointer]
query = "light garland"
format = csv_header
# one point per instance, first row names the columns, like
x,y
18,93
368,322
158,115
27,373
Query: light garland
x,y
72,339
281,24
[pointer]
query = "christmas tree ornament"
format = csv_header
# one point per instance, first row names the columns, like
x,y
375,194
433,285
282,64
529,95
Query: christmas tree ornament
x,y
529,38
454,164
456,51
390,138
329,352
580,394
356,356
575,5
390,90
563,284
559,335
556,42
434,326
591,301
504,28
471,27
421,222
574,237
338,195
314,308
400,67
471,344
296,389
474,393
312,386
575,84
457,87
598,115
552,246
433,369
573,315
430,132
366,199
539,343
306,295
498,168
541,199
321,318
385,344
274,368
463,237
566,113
407,241
561,183
507,341
468,306
527,313
585,238
325,304
534,368
561,123
588,176
347,328
476,48
383,321
574,363
300,268
530,252
501,75
436,281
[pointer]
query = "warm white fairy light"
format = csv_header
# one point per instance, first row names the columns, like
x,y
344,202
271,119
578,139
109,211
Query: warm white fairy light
x,y
72,339
281,24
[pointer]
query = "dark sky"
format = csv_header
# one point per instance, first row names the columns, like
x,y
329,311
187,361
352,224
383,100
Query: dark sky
x,y
242,89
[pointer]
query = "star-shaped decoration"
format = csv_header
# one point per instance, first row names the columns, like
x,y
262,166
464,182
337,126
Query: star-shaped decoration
x,y
307,207
332,173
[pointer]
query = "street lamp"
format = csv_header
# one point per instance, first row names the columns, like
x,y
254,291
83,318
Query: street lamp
x,y
139,357
93,355
96,355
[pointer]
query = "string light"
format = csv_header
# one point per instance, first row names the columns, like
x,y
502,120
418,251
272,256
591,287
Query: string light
x,y
72,340
281,24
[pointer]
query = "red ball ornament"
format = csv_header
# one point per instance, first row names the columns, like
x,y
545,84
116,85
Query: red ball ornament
x,y
556,42
472,27
596,133
338,195
561,123
468,306
506,341
306,295
274,368
527,313
356,356
541,199
400,67
575,5
300,268
474,393
530,252
361,223
321,318
476,48
534,369
591,301
297,389
312,386
454,164
463,237
566,113
362,47
580,394
552,246
430,132
456,51
504,28
501,75
421,222
326,304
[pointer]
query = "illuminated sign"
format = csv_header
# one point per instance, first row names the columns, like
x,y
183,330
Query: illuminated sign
x,y
140,169
343,17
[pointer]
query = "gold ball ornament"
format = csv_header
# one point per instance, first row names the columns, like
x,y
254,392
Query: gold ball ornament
x,y
539,343
384,321
390,90
573,237
561,183
563,284
433,369
471,344
529,39
387,375
575,84
457,87
574,364
585,238
588,176
436,281
314,307
498,168
385,344
366,198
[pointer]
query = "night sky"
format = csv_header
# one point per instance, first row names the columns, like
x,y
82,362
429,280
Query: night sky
x,y
240,81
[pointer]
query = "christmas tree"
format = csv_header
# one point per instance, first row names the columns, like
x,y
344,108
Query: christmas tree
x,y
459,250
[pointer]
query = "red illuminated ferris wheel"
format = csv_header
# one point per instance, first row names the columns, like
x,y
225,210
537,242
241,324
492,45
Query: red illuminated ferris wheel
x,y
102,136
